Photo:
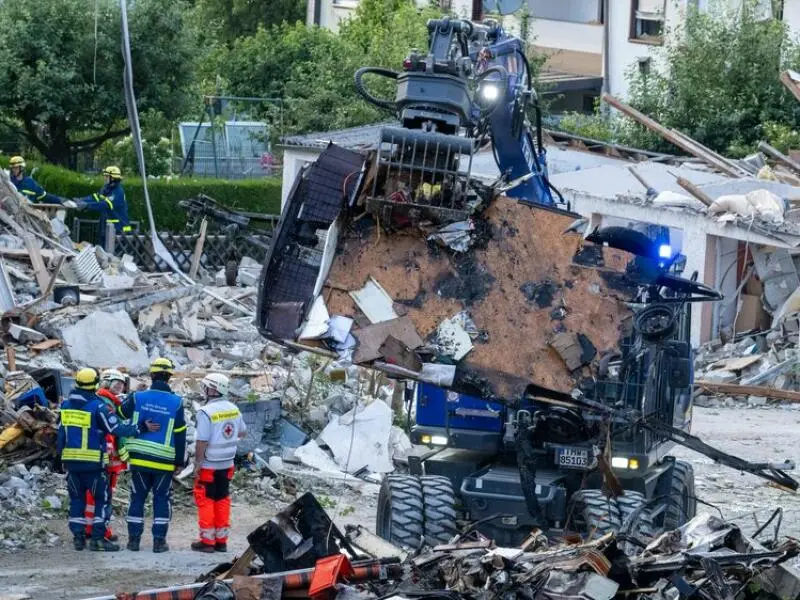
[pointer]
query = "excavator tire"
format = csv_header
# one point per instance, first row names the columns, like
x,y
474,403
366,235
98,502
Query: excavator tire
x,y
593,514
682,505
439,503
401,511
644,528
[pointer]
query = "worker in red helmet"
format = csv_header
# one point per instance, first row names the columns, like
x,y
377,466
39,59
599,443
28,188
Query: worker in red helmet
x,y
112,386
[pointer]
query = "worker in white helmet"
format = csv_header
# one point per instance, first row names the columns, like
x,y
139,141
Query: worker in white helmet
x,y
219,428
112,386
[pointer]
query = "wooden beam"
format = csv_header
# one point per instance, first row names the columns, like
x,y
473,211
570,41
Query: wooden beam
x,y
693,189
198,249
42,277
11,358
681,141
734,389
790,84
779,156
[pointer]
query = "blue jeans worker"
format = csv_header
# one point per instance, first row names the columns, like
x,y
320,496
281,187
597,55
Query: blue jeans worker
x,y
84,422
154,456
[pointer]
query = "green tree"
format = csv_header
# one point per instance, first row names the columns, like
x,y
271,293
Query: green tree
x,y
312,69
720,84
61,87
232,19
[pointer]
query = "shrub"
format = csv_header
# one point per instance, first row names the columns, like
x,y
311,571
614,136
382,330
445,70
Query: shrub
x,y
249,195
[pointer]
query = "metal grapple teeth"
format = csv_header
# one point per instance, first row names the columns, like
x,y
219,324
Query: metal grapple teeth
x,y
427,170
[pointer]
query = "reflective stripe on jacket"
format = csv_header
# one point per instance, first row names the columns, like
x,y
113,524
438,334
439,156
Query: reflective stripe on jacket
x,y
155,450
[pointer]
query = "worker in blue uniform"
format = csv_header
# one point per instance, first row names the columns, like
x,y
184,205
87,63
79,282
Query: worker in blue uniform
x,y
29,187
84,422
109,203
153,457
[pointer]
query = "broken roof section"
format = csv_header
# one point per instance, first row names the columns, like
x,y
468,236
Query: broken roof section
x,y
481,314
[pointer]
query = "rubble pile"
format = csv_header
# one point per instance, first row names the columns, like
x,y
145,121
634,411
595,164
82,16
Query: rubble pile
x,y
68,306
28,498
301,551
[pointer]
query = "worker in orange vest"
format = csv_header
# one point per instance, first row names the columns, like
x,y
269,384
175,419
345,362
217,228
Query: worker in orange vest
x,y
112,386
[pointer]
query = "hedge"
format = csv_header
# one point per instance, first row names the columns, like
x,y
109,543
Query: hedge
x,y
249,195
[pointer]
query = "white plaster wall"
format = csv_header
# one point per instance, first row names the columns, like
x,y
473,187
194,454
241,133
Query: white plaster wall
x,y
623,53
725,281
293,161
791,15
580,37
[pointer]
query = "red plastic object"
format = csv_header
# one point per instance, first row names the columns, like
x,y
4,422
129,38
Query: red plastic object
x,y
327,572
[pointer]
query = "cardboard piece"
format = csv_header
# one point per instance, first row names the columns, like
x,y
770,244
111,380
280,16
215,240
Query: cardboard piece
x,y
751,314
371,338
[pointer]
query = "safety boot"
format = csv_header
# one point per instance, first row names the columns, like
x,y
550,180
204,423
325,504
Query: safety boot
x,y
201,547
133,544
79,542
160,545
103,546
220,547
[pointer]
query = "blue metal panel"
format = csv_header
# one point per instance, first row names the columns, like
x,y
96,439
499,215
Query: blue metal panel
x,y
438,407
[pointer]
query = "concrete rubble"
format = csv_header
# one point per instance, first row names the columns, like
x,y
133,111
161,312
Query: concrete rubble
x,y
69,306
301,551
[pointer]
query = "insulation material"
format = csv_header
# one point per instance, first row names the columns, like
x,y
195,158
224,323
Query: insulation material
x,y
515,244
759,203
360,438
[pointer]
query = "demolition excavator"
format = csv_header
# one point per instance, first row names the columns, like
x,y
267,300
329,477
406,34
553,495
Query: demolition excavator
x,y
472,89
594,460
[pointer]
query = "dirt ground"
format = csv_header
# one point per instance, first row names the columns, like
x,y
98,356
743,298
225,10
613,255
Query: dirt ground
x,y
762,434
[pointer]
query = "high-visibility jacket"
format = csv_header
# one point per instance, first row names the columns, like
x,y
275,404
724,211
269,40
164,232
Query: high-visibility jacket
x,y
115,463
221,431
84,422
112,207
161,450
30,188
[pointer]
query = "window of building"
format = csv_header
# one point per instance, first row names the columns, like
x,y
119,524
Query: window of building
x,y
647,21
644,65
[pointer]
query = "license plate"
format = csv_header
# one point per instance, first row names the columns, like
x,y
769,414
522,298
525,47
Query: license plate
x,y
572,458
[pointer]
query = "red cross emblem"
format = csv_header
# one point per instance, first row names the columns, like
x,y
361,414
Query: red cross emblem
x,y
227,430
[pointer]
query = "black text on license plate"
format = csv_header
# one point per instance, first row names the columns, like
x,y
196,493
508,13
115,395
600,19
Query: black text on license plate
x,y
572,458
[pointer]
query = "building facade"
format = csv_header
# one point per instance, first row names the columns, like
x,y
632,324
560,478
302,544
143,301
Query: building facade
x,y
591,45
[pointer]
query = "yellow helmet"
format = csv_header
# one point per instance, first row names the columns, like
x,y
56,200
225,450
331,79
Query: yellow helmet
x,y
16,161
113,172
87,379
162,365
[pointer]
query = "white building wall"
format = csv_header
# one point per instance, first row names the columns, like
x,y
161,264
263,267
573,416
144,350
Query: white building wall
x,y
293,160
791,15
624,53
580,37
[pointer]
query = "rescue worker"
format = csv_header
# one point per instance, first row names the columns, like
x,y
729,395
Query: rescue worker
x,y
29,187
84,422
112,384
110,203
154,456
219,427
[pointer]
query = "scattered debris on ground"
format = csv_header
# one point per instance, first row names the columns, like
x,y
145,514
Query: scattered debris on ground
x,y
301,551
